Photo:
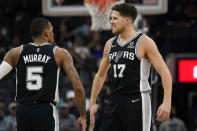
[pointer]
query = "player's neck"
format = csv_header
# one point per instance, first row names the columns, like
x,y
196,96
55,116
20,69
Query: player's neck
x,y
39,41
127,34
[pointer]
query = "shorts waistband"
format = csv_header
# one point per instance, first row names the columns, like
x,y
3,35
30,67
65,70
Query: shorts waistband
x,y
132,94
37,102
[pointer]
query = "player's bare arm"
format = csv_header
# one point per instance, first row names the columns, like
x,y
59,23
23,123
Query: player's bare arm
x,y
101,74
64,59
9,61
98,82
66,62
151,52
12,56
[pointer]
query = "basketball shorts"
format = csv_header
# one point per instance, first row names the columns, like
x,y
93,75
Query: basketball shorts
x,y
37,117
128,113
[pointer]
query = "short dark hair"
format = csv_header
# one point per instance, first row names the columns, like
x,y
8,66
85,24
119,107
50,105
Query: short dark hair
x,y
37,26
126,9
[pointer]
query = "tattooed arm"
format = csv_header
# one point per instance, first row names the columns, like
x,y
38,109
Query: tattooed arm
x,y
64,59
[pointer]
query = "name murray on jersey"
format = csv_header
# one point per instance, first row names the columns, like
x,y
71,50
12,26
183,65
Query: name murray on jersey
x,y
123,54
36,58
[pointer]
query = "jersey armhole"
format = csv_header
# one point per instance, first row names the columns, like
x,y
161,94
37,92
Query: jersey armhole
x,y
109,49
21,49
54,49
136,47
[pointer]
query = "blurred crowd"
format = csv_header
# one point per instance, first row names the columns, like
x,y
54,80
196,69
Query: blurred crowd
x,y
174,32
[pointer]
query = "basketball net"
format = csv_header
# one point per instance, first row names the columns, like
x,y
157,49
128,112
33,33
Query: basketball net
x,y
100,13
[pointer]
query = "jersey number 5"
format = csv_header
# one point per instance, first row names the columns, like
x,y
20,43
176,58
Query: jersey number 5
x,y
120,67
34,79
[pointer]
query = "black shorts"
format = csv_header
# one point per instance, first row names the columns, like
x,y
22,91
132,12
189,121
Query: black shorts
x,y
37,117
128,113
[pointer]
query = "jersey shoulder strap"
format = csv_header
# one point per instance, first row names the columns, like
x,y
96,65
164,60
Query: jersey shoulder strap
x,y
136,39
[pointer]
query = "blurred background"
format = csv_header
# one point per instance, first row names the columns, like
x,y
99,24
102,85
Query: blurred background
x,y
175,33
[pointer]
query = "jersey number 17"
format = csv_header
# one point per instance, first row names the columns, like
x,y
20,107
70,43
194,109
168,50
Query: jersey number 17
x,y
120,69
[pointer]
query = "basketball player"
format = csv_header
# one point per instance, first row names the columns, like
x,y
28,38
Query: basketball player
x,y
129,56
37,71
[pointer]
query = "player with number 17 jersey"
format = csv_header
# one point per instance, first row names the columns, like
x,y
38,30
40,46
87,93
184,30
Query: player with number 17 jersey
x,y
37,74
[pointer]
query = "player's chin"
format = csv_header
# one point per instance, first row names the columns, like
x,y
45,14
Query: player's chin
x,y
115,32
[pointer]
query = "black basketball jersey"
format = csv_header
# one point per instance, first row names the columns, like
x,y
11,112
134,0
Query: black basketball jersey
x,y
128,73
37,74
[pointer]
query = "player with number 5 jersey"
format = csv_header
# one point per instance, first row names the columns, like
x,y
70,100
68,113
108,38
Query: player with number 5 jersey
x,y
37,67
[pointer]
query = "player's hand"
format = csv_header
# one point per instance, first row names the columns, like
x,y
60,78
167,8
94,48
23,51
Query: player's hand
x,y
93,110
82,122
163,112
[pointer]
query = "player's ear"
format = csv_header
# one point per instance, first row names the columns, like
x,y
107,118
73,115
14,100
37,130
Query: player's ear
x,y
128,20
46,32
